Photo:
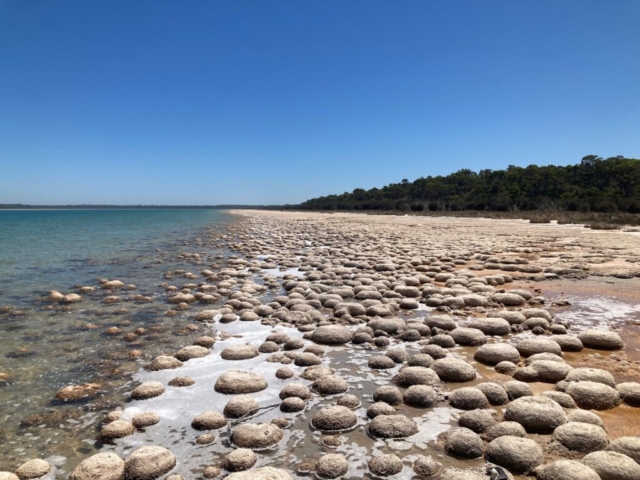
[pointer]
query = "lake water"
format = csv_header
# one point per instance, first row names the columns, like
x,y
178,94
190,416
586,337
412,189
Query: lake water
x,y
55,244
44,348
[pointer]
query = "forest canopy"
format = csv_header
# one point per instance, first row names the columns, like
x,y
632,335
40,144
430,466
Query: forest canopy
x,y
595,184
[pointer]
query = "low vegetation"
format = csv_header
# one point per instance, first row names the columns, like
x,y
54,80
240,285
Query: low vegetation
x,y
608,187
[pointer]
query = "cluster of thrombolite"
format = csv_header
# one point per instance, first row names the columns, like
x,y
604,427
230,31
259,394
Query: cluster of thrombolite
x,y
363,289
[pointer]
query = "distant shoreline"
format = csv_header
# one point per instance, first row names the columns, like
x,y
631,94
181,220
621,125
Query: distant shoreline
x,y
592,220
128,207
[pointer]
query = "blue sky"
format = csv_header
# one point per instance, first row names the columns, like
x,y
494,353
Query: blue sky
x,y
208,102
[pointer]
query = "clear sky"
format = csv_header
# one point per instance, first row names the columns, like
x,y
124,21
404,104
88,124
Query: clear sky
x,y
208,102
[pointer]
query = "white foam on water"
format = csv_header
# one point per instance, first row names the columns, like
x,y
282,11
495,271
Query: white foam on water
x,y
275,272
423,307
598,312
433,423
177,406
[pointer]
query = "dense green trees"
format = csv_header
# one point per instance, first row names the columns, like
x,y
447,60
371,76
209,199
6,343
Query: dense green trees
x,y
595,184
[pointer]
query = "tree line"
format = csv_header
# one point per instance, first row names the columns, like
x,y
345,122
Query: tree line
x,y
593,185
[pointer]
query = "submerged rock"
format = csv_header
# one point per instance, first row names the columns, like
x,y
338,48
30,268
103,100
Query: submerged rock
x,y
74,393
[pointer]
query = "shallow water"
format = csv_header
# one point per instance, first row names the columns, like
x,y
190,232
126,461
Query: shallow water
x,y
44,348
302,443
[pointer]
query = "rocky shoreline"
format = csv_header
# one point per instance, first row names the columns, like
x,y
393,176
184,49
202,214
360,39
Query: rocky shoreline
x,y
351,346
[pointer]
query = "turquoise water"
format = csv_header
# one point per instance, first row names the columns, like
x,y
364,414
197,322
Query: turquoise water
x,y
49,243
45,347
